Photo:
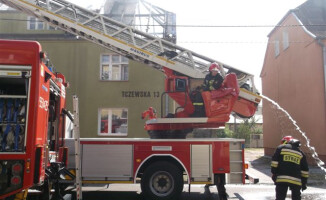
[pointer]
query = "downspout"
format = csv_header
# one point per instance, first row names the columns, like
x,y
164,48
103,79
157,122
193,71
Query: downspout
x,y
319,40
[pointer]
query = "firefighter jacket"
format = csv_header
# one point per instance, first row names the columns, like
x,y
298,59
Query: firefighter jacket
x,y
212,82
290,166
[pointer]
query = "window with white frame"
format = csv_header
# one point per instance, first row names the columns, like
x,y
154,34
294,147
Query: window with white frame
x,y
113,121
285,40
34,24
114,68
277,47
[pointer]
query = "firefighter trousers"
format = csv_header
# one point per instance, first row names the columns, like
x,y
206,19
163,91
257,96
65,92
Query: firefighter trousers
x,y
281,190
220,184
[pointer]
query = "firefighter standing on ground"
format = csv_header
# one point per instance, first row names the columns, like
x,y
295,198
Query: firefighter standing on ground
x,y
289,168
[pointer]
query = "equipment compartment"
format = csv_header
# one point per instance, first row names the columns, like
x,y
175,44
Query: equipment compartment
x,y
14,88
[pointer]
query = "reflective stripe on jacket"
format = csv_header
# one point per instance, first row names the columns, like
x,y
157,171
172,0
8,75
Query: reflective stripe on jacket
x,y
290,166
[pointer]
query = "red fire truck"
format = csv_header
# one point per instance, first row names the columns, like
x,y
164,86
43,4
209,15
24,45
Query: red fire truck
x,y
161,166
32,149
32,102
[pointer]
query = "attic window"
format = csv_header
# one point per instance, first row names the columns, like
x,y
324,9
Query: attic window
x,y
285,40
277,47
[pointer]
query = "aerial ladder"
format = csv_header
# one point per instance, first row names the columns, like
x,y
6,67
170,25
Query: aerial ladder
x,y
184,69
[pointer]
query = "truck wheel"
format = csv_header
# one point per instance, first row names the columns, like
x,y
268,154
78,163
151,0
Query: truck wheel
x,y
162,181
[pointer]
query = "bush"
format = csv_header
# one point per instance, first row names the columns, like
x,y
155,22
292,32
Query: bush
x,y
243,130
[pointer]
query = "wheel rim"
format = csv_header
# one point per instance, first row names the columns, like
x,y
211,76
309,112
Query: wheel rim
x,y
161,183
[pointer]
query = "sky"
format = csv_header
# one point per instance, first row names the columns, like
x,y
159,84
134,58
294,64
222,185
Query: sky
x,y
241,47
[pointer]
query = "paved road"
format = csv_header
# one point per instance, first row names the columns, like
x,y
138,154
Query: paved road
x,y
198,192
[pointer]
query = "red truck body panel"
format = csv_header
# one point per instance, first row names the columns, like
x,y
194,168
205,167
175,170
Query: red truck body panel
x,y
144,151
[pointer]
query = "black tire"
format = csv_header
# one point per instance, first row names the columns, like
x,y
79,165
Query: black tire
x,y
162,181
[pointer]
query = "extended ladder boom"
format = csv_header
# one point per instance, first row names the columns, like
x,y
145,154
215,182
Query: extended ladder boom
x,y
120,38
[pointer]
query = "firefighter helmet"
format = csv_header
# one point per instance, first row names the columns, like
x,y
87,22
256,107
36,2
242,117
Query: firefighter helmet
x,y
286,139
295,142
214,67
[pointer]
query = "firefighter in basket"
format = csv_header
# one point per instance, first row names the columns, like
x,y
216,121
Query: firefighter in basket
x,y
212,82
214,79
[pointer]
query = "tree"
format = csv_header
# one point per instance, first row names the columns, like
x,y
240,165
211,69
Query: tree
x,y
244,130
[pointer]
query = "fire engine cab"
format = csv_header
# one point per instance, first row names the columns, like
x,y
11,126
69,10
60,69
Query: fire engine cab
x,y
32,100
